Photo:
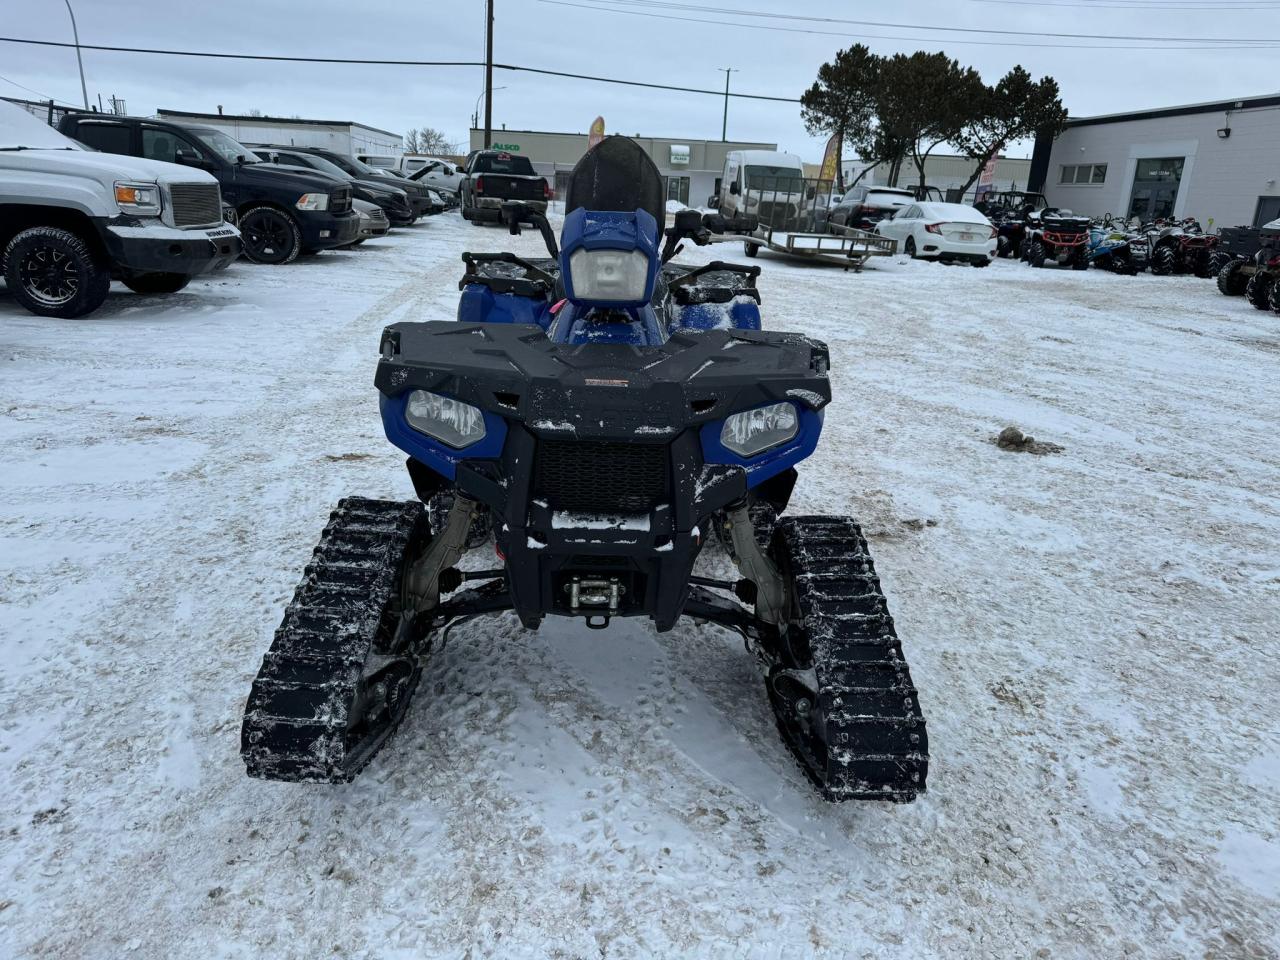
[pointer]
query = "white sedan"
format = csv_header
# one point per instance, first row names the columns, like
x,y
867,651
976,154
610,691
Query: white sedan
x,y
942,231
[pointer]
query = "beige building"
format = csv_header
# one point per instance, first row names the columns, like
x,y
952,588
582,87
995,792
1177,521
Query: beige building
x,y
691,168
946,172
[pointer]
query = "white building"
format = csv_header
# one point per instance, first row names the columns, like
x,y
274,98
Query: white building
x,y
340,136
1218,162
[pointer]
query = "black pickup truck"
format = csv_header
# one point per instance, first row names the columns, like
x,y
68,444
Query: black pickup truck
x,y
281,212
492,177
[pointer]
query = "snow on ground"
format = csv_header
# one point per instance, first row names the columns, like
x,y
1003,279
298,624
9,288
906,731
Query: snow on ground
x,y
1093,633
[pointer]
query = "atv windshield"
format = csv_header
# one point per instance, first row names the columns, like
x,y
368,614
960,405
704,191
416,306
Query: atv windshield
x,y
616,174
502,163
768,177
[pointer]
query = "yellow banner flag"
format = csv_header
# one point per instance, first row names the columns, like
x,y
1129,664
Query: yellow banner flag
x,y
597,132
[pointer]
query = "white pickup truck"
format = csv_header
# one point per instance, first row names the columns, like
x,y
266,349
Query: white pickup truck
x,y
71,220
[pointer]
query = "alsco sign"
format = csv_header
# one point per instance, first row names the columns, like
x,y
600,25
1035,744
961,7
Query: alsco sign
x,y
513,147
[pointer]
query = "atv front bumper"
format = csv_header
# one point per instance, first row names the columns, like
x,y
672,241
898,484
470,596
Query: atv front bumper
x,y
600,464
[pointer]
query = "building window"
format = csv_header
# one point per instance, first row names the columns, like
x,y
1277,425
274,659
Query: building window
x,y
1083,173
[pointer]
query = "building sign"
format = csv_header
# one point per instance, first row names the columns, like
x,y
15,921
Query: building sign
x,y
679,155
509,147
597,132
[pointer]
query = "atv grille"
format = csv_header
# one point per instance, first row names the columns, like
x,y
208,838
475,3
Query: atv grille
x,y
602,477
196,204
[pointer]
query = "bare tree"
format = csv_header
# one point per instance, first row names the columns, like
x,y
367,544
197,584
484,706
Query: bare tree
x,y
431,140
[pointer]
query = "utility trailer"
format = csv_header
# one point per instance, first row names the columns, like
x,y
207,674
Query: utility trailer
x,y
794,217
843,246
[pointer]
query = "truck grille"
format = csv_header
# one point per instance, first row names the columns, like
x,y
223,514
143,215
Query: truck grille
x,y
601,477
340,200
195,204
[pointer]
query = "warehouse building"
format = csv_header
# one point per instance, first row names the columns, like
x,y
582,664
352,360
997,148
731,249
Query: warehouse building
x,y
690,168
340,136
1218,162
948,172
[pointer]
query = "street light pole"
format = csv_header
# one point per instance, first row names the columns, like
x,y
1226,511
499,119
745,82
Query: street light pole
x,y
488,75
724,125
75,33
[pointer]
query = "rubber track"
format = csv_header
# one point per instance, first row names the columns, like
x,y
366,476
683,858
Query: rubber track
x,y
296,719
878,746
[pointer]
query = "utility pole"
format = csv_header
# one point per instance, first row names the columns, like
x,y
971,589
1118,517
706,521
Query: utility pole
x,y
488,75
75,33
724,126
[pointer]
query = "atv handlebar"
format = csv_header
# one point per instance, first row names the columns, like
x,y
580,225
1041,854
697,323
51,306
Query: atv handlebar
x,y
698,227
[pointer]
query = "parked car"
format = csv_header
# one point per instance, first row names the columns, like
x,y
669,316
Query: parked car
x,y
393,201
862,207
282,212
71,220
373,222
493,177
417,194
942,231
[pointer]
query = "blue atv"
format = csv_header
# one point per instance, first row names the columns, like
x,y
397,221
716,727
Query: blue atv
x,y
599,415
1112,248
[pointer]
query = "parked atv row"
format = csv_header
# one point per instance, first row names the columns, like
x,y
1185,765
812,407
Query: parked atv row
x,y
1256,277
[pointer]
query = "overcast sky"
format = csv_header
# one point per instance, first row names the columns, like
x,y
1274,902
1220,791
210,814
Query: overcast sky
x,y
776,56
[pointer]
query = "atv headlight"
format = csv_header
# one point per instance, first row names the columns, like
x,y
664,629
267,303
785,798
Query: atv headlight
x,y
609,276
140,198
755,431
450,421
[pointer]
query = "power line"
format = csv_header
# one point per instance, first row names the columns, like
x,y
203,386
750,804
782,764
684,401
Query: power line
x,y
28,89
515,68
1256,45
731,11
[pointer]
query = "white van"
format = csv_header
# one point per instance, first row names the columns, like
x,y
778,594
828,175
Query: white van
x,y
763,183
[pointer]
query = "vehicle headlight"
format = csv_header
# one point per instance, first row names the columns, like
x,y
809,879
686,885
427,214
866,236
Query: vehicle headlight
x,y
609,276
140,198
313,201
450,421
754,431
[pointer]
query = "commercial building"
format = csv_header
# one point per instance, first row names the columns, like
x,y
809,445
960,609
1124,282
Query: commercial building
x,y
947,172
691,168
340,136
1218,162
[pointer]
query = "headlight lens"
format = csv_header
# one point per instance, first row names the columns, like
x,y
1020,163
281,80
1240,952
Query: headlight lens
x,y
609,276
143,198
754,431
450,421
313,201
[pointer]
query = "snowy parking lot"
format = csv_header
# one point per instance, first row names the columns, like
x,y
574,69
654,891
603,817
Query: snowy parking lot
x,y
1093,632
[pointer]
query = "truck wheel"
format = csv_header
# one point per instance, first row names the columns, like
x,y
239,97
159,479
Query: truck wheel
x,y
270,236
53,273
157,282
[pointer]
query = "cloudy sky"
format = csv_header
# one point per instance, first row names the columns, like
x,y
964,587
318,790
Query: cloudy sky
x,y
665,41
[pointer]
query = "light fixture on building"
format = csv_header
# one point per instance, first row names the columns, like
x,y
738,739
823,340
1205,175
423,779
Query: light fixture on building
x,y
1224,132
